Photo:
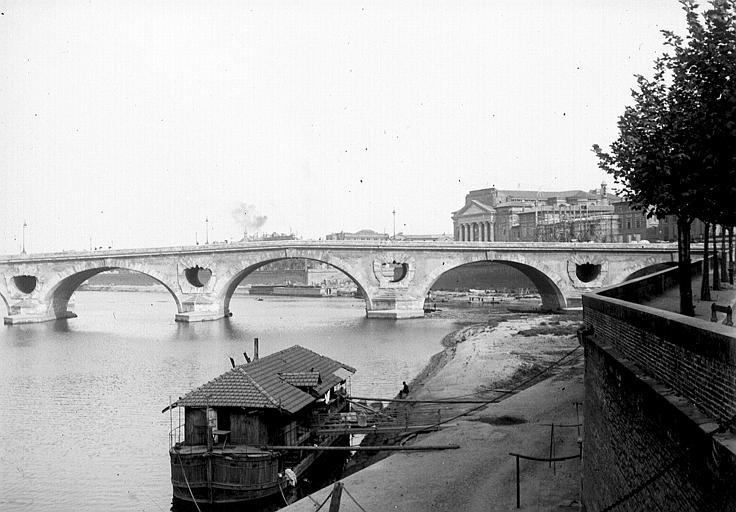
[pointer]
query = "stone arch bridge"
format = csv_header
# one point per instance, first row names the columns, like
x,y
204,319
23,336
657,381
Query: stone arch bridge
x,y
393,276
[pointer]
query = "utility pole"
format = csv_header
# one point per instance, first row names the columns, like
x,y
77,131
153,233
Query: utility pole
x,y
23,249
245,225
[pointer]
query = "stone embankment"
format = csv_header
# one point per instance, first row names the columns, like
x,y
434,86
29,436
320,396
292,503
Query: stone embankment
x,y
478,360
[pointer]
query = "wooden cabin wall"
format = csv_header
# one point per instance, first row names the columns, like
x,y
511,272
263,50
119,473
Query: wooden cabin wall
x,y
290,433
276,423
248,428
195,426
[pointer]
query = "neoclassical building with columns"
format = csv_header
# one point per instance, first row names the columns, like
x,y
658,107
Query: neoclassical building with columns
x,y
492,215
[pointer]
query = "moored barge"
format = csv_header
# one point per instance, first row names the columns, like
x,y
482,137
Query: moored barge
x,y
219,454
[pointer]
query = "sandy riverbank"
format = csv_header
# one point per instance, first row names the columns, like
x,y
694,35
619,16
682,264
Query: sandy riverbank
x,y
477,359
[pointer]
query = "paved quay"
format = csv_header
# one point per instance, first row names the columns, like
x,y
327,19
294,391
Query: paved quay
x,y
481,475
670,299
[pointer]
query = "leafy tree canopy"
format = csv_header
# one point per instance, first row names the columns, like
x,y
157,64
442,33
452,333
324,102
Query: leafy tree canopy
x,y
676,150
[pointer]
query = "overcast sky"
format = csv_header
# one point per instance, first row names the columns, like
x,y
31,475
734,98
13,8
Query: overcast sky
x,y
130,123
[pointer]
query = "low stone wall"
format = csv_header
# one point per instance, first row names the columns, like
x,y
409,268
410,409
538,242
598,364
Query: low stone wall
x,y
652,285
656,385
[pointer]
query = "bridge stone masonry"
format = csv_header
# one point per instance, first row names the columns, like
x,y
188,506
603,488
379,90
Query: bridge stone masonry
x,y
394,277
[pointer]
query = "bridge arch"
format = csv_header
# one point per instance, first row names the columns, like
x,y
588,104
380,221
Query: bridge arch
x,y
58,295
235,280
550,291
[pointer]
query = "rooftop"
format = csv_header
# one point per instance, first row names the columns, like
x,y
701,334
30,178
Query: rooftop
x,y
279,381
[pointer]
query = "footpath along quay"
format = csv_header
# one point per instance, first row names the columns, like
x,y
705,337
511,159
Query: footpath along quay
x,y
481,474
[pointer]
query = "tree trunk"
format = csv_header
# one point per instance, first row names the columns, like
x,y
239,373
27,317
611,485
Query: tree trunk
x,y
683,266
705,281
730,255
724,261
716,279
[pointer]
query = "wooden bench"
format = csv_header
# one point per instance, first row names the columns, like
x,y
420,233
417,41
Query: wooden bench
x,y
715,308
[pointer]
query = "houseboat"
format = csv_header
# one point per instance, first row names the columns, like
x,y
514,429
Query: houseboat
x,y
221,452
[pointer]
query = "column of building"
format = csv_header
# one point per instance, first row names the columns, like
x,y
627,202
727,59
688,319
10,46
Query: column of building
x,y
475,231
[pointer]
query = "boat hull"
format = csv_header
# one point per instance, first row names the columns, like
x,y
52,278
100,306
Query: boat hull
x,y
238,475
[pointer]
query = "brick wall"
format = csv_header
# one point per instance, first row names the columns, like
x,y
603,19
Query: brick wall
x,y
655,384
634,429
696,361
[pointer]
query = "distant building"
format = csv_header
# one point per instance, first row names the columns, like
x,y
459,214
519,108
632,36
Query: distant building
x,y
523,215
363,234
634,224
277,237
265,237
667,231
423,238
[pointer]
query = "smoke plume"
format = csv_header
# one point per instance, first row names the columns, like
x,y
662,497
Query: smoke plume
x,y
248,218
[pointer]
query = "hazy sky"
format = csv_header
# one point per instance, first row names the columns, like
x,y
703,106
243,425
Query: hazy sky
x,y
129,123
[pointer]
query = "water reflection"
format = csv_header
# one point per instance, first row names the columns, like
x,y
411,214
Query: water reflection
x,y
61,325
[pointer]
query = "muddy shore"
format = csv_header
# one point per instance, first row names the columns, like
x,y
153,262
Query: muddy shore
x,y
473,325
478,358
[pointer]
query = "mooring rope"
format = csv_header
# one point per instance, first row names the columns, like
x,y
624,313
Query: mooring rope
x,y
187,482
316,503
282,492
323,503
354,500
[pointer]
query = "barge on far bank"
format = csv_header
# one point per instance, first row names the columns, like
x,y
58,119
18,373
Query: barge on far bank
x,y
219,454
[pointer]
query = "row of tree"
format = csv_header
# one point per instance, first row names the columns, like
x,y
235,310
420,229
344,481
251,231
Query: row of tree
x,y
676,149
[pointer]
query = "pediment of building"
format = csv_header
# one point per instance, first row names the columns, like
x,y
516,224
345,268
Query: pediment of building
x,y
475,208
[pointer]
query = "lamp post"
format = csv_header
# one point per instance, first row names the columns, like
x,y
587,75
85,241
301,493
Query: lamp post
x,y
23,249
394,212
206,230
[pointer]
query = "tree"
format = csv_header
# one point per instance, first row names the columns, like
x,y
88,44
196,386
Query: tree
x,y
670,156
704,76
646,160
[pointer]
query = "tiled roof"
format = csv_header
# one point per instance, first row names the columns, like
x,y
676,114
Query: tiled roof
x,y
301,379
261,383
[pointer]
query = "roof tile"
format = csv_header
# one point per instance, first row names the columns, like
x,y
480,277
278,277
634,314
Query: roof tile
x,y
271,382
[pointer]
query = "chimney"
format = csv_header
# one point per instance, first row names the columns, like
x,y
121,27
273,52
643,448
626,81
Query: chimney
x,y
255,349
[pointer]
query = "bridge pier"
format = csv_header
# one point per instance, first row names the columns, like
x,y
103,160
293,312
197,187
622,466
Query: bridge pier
x,y
34,311
200,307
395,307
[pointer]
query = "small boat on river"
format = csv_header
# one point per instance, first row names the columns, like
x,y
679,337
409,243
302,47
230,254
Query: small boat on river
x,y
220,453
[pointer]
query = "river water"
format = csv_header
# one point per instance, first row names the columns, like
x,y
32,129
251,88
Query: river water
x,y
81,426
